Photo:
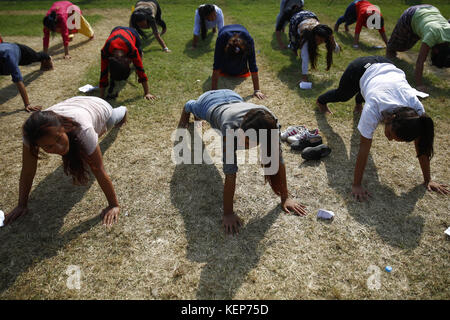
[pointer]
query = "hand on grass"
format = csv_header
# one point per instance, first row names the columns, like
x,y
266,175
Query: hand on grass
x,y
231,223
16,213
258,94
360,194
110,215
149,96
437,187
30,108
291,206
67,57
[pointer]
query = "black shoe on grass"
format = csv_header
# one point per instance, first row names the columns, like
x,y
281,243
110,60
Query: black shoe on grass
x,y
299,145
315,153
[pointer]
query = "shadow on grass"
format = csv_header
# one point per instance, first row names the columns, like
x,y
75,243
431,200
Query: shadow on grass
x,y
203,47
37,236
347,38
291,76
391,215
223,83
59,48
274,43
10,91
197,192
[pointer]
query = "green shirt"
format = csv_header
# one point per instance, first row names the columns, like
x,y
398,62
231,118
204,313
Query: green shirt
x,y
429,24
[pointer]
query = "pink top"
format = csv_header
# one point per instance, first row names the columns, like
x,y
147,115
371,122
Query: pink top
x,y
62,8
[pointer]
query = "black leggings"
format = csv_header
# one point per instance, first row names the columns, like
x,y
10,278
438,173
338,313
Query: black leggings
x,y
349,83
28,55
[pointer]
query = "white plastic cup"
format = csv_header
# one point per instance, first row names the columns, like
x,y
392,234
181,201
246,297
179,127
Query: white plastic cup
x,y
305,85
447,232
325,214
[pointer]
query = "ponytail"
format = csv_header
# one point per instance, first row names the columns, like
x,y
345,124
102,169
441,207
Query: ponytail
x,y
408,126
204,11
51,21
427,137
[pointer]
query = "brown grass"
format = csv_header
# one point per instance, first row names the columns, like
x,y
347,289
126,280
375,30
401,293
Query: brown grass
x,y
168,243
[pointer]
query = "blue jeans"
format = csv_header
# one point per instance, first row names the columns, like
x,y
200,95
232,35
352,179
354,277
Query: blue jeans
x,y
349,16
209,100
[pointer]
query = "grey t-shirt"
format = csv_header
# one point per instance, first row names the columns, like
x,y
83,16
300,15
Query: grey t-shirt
x,y
230,116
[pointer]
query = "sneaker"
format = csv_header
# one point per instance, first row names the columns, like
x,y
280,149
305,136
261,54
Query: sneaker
x,y
315,153
291,131
299,145
302,135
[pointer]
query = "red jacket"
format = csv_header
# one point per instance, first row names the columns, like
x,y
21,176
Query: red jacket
x,y
364,10
127,40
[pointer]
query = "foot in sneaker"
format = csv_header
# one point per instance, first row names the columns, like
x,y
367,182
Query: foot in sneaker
x,y
315,153
299,145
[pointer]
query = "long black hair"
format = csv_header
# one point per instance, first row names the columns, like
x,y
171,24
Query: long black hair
x,y
309,36
144,14
37,126
440,55
51,21
409,126
257,119
204,11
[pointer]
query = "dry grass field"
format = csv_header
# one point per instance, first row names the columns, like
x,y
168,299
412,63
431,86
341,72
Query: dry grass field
x,y
168,243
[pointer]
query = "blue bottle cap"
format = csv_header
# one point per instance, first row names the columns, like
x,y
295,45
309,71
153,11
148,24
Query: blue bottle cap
x,y
388,268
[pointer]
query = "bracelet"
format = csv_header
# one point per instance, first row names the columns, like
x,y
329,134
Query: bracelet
x,y
256,91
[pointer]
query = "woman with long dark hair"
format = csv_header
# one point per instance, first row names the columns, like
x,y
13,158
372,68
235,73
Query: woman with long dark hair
x,y
426,23
307,33
234,56
227,112
146,15
207,16
389,99
70,129
66,18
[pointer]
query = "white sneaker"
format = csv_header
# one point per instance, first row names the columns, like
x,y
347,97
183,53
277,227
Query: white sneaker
x,y
292,131
305,134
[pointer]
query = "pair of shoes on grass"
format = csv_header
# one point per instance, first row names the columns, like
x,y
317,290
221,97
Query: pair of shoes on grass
x,y
307,141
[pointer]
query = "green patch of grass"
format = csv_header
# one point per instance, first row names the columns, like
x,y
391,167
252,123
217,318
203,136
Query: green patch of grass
x,y
30,24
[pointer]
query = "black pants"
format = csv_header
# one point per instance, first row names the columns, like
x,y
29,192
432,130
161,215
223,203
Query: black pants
x,y
349,83
28,55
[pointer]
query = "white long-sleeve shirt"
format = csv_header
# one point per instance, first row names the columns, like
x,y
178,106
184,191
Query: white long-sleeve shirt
x,y
217,23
